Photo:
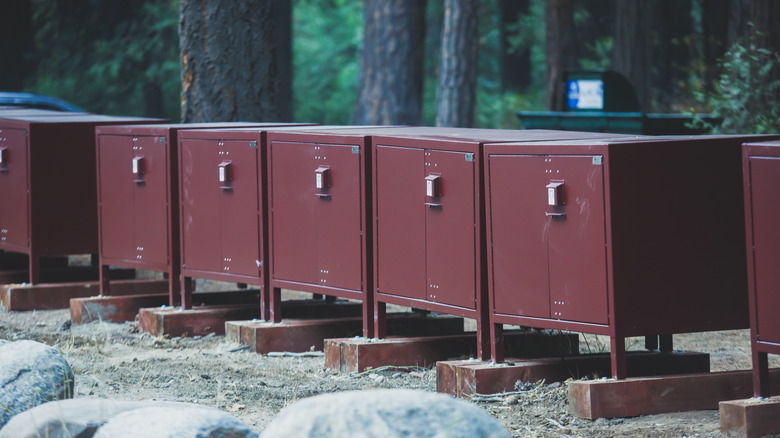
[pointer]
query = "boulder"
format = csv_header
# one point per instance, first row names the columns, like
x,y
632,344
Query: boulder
x,y
385,413
71,418
174,422
31,374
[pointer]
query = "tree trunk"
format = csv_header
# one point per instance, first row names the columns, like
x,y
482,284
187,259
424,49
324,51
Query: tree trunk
x,y
16,44
671,55
229,58
515,65
632,51
456,100
391,69
560,48
715,26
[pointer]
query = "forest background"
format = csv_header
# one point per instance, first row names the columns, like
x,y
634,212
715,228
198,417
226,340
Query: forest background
x,y
128,56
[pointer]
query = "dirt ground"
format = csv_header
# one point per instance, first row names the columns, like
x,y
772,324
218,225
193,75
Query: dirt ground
x,y
114,361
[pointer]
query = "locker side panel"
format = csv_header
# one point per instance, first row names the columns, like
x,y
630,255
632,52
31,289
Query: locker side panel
x,y
240,209
151,201
293,198
14,189
400,221
200,202
516,215
451,230
577,241
765,206
338,217
115,154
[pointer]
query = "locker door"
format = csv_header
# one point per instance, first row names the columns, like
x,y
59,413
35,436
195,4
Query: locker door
x,y
200,201
240,208
151,200
293,198
116,197
400,222
516,215
14,196
765,206
577,242
339,226
451,229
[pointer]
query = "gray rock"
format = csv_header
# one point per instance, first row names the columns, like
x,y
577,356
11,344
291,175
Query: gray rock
x,y
385,413
31,374
71,418
174,422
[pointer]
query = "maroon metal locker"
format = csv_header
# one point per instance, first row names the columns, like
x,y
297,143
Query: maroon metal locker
x,y
138,198
619,237
49,184
429,219
320,203
222,175
761,163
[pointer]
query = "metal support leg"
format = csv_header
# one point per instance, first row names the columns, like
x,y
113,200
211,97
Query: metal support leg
x,y
380,319
35,268
618,357
186,292
651,342
760,374
276,305
105,280
497,342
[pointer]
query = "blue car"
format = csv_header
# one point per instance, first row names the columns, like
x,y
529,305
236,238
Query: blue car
x,y
30,100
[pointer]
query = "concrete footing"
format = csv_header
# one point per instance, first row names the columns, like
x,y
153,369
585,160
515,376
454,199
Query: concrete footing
x,y
58,295
657,395
298,335
750,418
358,354
221,308
467,378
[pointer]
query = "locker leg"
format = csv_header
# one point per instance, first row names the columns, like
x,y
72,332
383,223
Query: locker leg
x,y
174,289
666,343
94,259
380,319
276,305
241,285
760,374
105,280
618,356
368,317
35,268
186,293
330,299
651,342
316,296
497,342
265,303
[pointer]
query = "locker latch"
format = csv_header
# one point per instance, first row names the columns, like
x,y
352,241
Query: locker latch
x,y
322,178
138,169
225,174
555,194
3,159
433,186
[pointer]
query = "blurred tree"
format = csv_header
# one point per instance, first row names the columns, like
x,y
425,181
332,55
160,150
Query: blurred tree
x,y
391,69
672,49
633,50
561,48
230,61
111,57
456,99
715,28
16,44
515,61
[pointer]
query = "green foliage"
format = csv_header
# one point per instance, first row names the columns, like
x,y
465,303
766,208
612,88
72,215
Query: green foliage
x,y
326,46
109,57
747,94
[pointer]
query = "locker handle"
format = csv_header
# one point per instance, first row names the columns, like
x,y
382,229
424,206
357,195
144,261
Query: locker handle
x,y
225,175
433,205
555,215
4,160
138,170
322,195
